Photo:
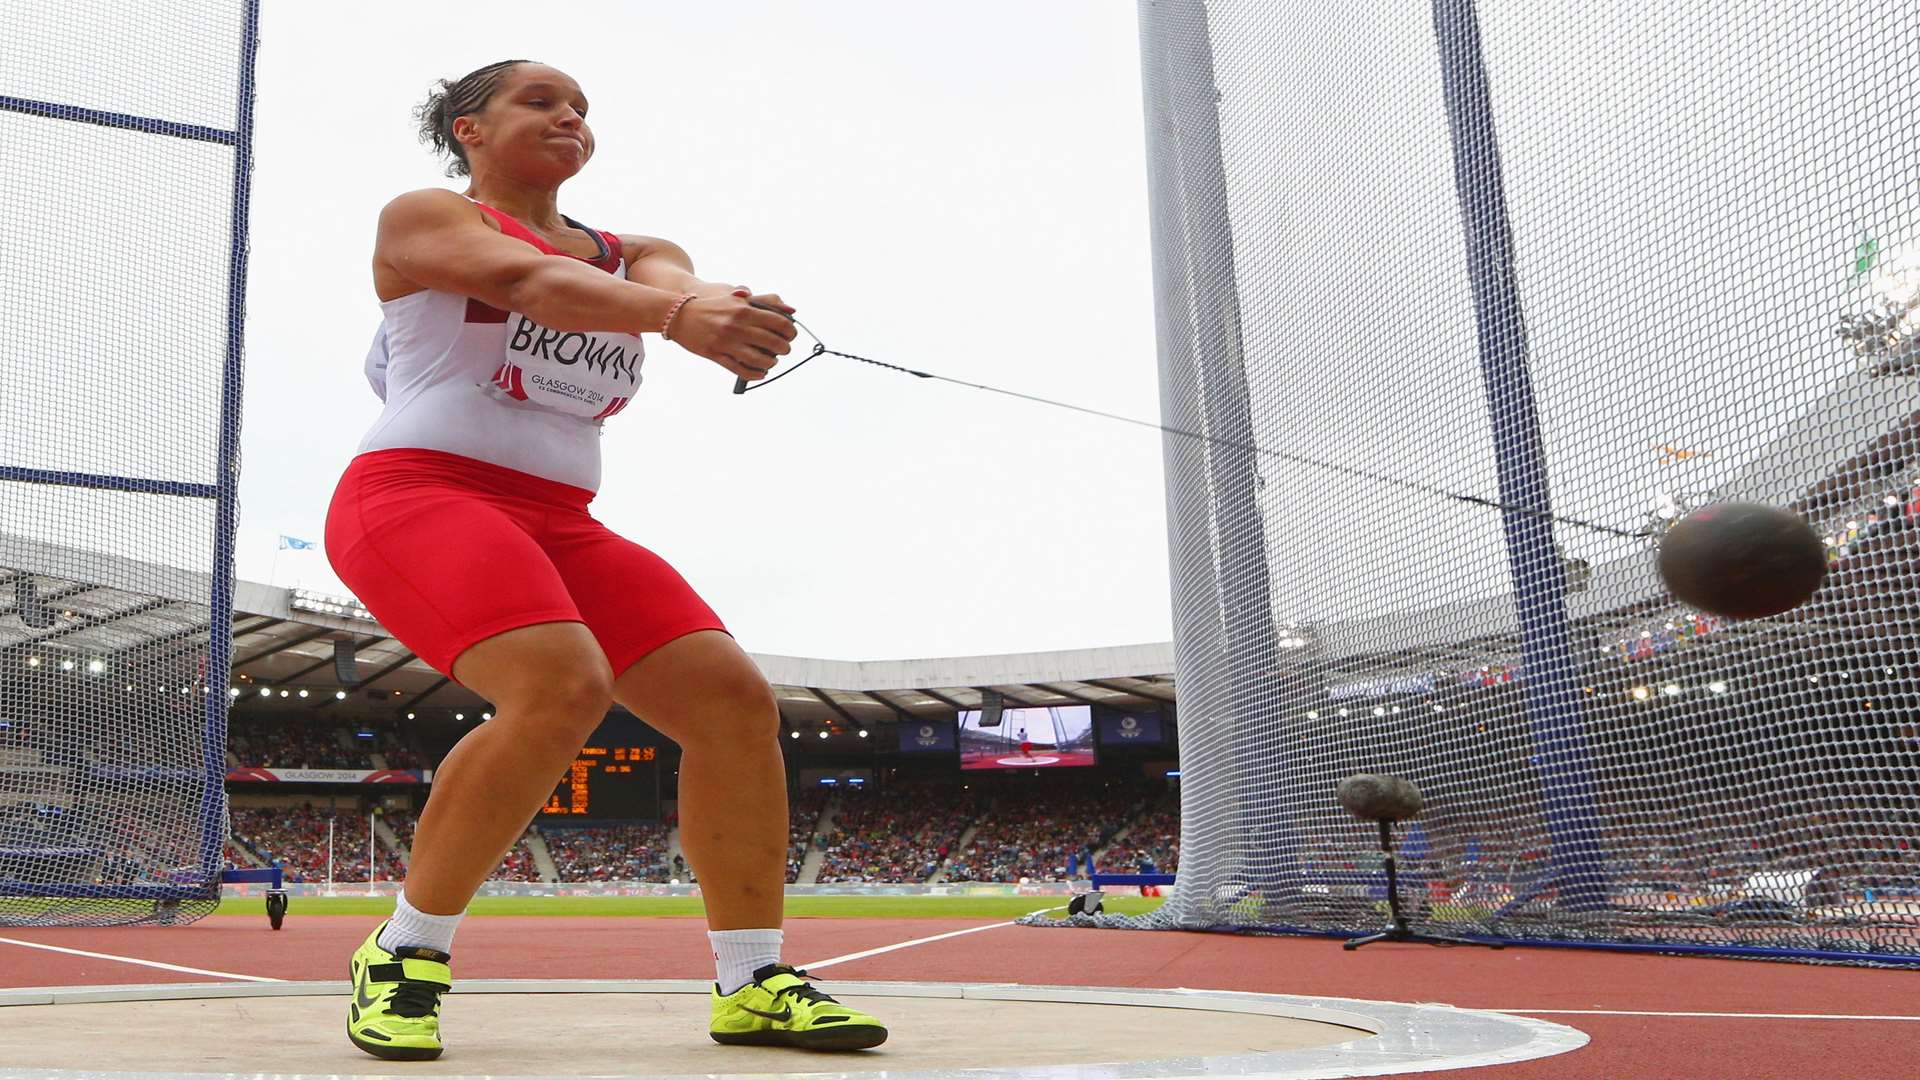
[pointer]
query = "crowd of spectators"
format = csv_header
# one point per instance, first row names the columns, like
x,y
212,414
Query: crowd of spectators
x,y
803,815
609,852
268,744
398,754
899,833
1035,830
1151,846
517,866
272,744
296,839
133,848
906,831
384,738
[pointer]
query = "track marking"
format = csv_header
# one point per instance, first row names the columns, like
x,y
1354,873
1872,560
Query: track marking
x,y
830,961
1703,1015
134,960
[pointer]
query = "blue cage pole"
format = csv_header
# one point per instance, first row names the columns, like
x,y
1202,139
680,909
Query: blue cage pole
x,y
213,804
1539,582
205,881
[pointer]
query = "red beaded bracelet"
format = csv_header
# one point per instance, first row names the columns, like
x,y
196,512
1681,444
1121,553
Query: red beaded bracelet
x,y
667,325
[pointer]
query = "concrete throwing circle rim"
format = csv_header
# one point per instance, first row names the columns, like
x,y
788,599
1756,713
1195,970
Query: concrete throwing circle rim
x,y
1406,1037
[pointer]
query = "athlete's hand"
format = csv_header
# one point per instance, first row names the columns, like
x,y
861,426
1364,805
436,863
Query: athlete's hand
x,y
742,332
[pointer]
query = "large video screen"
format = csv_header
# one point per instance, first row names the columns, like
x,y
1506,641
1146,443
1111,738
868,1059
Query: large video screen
x,y
1048,738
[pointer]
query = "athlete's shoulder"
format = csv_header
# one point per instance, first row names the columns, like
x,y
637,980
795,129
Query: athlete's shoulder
x,y
634,247
433,207
434,239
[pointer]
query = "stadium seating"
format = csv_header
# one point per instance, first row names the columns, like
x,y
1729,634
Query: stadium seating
x,y
609,852
517,866
294,746
295,838
897,833
1153,840
1038,823
903,831
268,744
803,813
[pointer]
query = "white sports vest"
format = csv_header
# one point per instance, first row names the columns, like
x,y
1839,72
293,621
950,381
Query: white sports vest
x,y
465,378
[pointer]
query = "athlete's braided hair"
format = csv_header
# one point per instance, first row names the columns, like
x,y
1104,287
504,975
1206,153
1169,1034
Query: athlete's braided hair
x,y
454,98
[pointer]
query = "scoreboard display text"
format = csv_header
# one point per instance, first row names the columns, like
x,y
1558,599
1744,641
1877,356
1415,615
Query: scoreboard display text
x,y
609,782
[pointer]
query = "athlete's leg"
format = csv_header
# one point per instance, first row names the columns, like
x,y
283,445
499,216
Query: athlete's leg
x,y
443,551
701,691
550,687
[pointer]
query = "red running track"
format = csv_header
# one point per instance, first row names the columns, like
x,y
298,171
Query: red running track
x,y
1519,980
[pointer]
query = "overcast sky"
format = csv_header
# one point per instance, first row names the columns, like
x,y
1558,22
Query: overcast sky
x,y
961,189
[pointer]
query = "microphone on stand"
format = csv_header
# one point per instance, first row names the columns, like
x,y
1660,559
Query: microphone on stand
x,y
1385,800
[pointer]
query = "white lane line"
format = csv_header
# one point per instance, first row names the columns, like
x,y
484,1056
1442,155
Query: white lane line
x,y
133,960
830,961
1708,1015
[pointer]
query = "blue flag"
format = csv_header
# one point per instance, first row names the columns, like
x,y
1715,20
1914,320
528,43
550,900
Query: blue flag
x,y
296,543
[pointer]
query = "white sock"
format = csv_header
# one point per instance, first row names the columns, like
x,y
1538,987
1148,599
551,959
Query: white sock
x,y
737,954
411,926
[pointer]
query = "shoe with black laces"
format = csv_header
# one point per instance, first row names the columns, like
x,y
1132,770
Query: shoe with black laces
x,y
395,1010
780,1008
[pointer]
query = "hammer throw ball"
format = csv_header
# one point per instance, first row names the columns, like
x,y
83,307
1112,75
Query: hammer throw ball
x,y
1742,560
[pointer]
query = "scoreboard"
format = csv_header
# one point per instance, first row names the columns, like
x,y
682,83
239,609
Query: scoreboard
x,y
620,782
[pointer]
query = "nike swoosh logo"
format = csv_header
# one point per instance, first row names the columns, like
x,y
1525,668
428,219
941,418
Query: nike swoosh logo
x,y
782,1015
362,999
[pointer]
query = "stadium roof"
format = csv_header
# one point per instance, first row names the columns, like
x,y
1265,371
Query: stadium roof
x,y
106,607
100,606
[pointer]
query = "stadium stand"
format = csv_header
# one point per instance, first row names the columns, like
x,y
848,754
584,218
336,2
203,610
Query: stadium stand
x,y
272,744
266,743
901,828
907,831
609,852
1035,826
517,866
899,833
295,838
1151,846
803,814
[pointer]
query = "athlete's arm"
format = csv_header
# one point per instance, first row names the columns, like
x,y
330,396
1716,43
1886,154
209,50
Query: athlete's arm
x,y
664,264
434,239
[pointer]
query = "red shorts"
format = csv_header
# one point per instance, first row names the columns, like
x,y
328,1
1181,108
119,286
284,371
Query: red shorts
x,y
447,551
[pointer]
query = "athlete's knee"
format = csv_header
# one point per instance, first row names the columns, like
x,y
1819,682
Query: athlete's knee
x,y
560,715
554,672
561,712
584,691
739,707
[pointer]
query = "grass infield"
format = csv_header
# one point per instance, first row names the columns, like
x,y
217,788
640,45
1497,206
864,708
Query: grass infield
x,y
798,907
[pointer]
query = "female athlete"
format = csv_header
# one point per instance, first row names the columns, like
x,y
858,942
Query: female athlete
x,y
511,333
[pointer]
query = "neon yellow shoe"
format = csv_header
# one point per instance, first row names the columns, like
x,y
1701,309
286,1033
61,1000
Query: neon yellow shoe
x,y
779,1008
395,1011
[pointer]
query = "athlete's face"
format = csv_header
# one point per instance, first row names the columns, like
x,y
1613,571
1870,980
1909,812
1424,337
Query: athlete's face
x,y
534,127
